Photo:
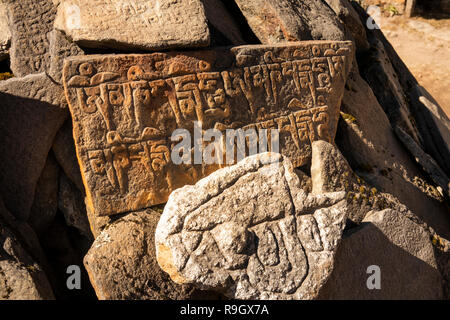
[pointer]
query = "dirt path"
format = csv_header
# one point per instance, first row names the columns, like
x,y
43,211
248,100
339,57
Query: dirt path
x,y
424,45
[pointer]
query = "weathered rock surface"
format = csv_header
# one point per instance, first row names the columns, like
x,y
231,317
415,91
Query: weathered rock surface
x,y
64,151
45,202
275,21
5,35
250,232
71,204
98,223
122,264
351,22
426,161
398,93
134,24
66,247
126,107
400,247
330,172
29,23
436,114
25,144
60,48
367,140
21,277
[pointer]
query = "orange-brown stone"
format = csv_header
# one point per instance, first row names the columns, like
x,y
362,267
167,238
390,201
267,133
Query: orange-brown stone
x,y
125,109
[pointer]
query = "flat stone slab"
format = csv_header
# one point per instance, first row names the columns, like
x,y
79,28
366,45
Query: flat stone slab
x,y
29,23
250,232
134,24
125,109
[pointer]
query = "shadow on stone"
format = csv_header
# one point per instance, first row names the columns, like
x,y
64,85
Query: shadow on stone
x,y
403,275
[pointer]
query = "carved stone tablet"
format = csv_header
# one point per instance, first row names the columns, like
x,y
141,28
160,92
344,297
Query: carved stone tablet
x,y
29,22
135,24
250,232
125,109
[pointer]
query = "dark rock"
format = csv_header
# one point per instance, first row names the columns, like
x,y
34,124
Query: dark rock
x,y
32,111
284,20
21,276
122,264
45,203
64,150
71,204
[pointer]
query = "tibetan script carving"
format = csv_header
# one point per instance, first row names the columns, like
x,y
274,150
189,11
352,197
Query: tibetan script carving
x,y
125,109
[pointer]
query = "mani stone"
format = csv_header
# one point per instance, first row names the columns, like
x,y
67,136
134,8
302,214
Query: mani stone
x,y
30,21
134,24
125,109
250,232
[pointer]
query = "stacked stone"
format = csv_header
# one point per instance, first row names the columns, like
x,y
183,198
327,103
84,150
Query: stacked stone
x,y
86,153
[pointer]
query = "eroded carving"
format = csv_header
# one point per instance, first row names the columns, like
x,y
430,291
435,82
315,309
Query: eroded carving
x,y
250,232
134,24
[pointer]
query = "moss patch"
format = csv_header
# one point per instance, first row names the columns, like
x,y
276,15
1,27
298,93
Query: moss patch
x,y
6,75
348,117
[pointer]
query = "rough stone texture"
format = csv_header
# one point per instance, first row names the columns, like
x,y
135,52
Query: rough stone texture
x,y
223,21
64,151
29,22
330,172
60,48
367,140
5,35
275,21
97,223
350,20
21,277
122,264
45,203
250,232
126,107
33,109
329,169
71,204
134,24
382,78
305,180
440,121
426,161
403,251
398,93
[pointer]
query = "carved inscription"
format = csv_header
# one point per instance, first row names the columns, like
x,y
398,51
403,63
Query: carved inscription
x,y
125,109
134,24
29,22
